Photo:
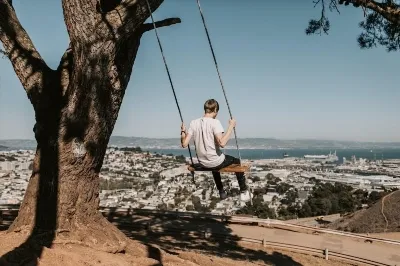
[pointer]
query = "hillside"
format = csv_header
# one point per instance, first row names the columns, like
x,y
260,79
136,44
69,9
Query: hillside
x,y
383,216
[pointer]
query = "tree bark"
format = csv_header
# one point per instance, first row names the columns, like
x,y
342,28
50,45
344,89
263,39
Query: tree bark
x,y
76,106
28,65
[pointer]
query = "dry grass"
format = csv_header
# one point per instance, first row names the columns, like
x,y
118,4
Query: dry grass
x,y
376,219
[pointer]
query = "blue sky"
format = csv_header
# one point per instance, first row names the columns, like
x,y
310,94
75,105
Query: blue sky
x,y
280,83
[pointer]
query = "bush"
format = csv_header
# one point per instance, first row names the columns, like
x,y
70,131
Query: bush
x,y
180,159
131,149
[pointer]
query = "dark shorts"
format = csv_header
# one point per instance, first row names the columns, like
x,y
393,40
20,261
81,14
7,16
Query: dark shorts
x,y
217,176
228,161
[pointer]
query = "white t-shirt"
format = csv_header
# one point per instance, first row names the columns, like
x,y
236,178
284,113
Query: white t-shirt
x,y
203,131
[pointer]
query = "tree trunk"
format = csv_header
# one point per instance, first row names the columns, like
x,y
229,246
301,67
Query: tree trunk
x,y
76,107
63,192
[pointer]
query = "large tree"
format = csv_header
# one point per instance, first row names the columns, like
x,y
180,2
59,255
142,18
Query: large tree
x,y
76,107
380,27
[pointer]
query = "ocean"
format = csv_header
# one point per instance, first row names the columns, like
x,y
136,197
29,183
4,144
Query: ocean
x,y
256,154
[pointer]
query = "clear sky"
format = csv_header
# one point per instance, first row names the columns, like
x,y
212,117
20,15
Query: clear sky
x,y
280,83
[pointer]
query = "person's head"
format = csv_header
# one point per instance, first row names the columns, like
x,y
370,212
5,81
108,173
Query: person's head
x,y
211,108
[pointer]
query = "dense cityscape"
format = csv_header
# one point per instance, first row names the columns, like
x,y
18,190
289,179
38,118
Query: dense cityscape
x,y
132,178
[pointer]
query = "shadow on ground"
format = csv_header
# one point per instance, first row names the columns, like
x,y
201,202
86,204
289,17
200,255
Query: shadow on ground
x,y
173,234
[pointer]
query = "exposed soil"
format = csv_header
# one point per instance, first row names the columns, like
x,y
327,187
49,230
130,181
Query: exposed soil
x,y
393,236
147,254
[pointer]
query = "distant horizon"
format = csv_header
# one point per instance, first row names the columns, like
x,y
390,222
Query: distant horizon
x,y
271,138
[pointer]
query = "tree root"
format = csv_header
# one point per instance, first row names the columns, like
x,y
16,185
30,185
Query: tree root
x,y
100,235
97,233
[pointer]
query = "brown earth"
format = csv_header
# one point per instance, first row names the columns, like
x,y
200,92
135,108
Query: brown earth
x,y
72,254
392,236
383,216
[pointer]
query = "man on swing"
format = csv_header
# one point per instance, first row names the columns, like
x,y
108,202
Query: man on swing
x,y
209,137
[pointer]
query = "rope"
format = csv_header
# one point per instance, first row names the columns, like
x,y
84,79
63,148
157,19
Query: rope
x,y
169,75
219,75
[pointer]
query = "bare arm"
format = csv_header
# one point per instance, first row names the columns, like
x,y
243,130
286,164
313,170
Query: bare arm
x,y
185,137
222,139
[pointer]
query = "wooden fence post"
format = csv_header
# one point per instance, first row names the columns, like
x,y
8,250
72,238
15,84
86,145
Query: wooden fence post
x,y
326,252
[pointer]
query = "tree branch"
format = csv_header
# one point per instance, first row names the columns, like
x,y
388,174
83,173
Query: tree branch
x,y
80,18
64,70
4,54
131,14
108,19
389,11
161,23
26,61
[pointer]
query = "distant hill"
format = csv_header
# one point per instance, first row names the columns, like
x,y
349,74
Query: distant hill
x,y
245,143
257,143
18,144
372,220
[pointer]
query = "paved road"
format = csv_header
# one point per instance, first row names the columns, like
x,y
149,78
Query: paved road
x,y
380,252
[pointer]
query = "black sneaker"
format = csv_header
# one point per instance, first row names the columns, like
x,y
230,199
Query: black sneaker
x,y
222,194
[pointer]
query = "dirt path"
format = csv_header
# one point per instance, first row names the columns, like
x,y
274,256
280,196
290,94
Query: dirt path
x,y
391,235
382,210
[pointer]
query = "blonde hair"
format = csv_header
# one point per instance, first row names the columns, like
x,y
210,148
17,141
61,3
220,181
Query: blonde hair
x,y
210,106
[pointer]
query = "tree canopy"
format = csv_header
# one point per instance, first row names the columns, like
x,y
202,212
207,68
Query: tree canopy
x,y
381,25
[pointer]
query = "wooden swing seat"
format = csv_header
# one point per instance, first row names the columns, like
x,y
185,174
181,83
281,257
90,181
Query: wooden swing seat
x,y
233,168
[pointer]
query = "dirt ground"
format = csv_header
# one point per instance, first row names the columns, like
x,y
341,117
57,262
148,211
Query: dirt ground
x,y
392,236
147,254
